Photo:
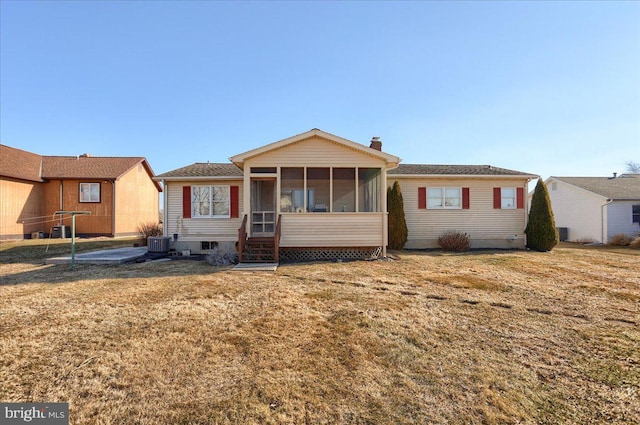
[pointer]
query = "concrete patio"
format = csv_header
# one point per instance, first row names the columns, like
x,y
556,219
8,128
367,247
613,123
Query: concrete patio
x,y
109,256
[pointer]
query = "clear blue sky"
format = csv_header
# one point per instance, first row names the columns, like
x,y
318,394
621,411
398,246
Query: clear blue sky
x,y
551,88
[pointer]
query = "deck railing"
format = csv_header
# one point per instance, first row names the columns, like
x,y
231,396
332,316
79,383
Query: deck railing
x,y
242,237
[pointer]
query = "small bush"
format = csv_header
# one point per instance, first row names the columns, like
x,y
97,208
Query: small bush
x,y
149,229
221,257
635,243
454,241
620,240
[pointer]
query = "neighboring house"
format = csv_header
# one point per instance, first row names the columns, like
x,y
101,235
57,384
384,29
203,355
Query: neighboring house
x,y
119,192
596,208
317,195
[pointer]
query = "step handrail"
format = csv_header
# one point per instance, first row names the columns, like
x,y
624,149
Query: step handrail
x,y
276,240
242,237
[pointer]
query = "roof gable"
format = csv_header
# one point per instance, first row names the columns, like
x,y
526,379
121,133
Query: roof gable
x,y
624,187
19,164
241,158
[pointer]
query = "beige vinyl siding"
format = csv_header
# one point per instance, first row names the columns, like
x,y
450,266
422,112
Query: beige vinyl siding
x,y
314,152
332,230
486,226
200,229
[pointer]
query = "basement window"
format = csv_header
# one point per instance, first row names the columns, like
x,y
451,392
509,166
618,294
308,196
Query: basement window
x,y
207,245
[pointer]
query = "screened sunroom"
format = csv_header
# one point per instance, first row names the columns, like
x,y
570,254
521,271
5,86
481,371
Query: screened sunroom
x,y
330,189
316,190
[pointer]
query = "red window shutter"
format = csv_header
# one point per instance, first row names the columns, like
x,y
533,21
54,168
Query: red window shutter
x,y
186,201
497,198
520,198
465,198
235,201
422,198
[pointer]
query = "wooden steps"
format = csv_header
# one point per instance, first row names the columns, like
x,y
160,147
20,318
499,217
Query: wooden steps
x,y
259,250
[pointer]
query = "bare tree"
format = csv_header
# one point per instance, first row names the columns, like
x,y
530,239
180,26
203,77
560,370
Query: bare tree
x,y
633,167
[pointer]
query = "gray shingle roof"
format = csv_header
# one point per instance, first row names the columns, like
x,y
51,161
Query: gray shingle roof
x,y
470,170
200,169
626,186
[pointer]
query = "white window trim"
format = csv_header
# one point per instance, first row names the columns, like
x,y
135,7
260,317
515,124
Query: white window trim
x,y
194,213
515,199
442,192
89,201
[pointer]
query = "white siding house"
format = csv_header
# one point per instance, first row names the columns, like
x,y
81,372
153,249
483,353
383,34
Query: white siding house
x,y
596,208
318,192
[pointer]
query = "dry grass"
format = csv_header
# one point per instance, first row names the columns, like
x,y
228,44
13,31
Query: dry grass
x,y
477,338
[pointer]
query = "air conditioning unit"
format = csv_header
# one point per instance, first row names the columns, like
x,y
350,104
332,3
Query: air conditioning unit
x,y
158,244
563,233
60,232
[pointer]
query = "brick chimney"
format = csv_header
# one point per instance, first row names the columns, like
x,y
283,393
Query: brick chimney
x,y
376,143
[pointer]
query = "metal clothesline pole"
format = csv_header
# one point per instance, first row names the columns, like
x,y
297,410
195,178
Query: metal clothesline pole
x,y
73,232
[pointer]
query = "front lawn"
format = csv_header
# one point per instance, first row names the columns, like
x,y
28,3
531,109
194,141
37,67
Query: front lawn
x,y
487,337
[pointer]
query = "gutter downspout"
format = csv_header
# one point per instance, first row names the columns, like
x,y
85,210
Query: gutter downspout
x,y
602,219
165,202
61,200
113,210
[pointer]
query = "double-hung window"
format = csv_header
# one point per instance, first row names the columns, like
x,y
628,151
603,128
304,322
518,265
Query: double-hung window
x,y
444,197
210,201
635,213
508,198
90,192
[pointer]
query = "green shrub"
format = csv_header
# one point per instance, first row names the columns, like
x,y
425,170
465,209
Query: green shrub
x,y
454,241
398,232
620,240
541,231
